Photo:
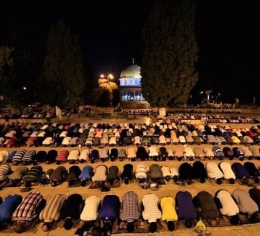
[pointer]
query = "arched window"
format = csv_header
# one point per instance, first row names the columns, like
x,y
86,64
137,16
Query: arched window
x,y
123,95
130,96
138,96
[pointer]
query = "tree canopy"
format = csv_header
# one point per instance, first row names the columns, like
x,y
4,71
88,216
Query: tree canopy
x,y
169,61
63,68
8,87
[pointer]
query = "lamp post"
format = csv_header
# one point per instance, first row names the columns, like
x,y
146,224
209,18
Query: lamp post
x,y
108,77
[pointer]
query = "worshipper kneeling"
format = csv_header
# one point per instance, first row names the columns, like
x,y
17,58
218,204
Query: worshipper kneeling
x,y
227,206
156,174
100,175
109,212
113,176
141,175
15,178
151,212
5,170
73,176
113,154
86,175
240,172
28,211
169,215
185,173
52,211
255,195
227,171
214,172
199,171
122,154
130,211
166,173
10,203
185,208
246,205
252,171
73,208
127,174
142,153
89,214
207,209
58,176
32,176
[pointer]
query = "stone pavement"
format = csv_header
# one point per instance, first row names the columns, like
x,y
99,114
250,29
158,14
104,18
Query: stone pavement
x,y
170,189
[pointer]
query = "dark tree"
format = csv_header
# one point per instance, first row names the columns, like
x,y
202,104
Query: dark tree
x,y
101,97
9,91
63,67
169,61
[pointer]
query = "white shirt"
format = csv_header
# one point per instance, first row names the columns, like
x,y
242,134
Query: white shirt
x,y
141,171
151,211
90,211
229,207
227,171
131,152
153,151
188,152
174,171
170,153
137,140
166,171
213,171
84,155
100,174
162,139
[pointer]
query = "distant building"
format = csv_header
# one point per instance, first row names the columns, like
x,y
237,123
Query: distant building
x,y
130,84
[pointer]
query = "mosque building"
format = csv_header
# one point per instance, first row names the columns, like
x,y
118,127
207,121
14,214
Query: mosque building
x,y
130,87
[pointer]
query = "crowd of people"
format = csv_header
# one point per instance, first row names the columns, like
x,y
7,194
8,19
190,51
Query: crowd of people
x,y
104,176
101,215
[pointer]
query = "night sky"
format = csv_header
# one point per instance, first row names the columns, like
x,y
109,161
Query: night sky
x,y
110,36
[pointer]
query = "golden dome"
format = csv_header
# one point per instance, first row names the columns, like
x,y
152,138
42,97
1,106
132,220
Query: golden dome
x,y
133,71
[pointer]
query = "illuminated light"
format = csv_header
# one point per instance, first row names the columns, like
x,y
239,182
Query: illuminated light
x,y
102,76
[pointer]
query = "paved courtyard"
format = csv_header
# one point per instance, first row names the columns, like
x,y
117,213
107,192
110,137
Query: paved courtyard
x,y
170,189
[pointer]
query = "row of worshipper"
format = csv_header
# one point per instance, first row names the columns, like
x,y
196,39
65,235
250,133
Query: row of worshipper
x,y
22,212
186,172
76,134
132,153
